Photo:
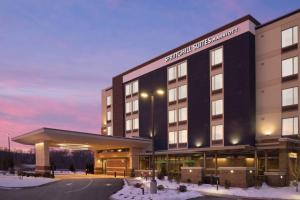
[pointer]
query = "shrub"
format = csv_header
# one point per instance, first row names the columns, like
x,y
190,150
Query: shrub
x,y
132,173
227,184
160,187
188,180
177,178
138,185
182,188
160,176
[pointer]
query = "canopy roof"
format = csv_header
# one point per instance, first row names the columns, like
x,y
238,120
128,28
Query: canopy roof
x,y
74,139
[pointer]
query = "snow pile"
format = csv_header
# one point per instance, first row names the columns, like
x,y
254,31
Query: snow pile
x,y
131,192
13,181
66,172
264,192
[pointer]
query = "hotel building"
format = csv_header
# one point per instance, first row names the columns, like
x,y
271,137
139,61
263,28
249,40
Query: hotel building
x,y
229,107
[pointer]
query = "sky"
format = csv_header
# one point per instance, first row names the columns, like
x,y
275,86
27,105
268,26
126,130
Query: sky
x,y
57,55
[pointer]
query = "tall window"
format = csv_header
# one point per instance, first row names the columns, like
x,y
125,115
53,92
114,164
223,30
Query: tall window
x,y
172,73
135,105
182,92
108,116
108,101
182,114
216,56
217,132
172,94
290,66
135,124
182,69
217,107
289,37
128,89
290,126
109,130
182,136
128,107
172,137
290,96
128,125
135,87
217,82
172,116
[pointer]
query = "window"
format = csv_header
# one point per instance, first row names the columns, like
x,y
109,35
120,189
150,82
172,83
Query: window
x,y
128,107
182,92
108,101
290,66
290,96
172,137
289,37
172,73
128,125
216,56
182,136
217,82
217,107
135,87
172,94
172,116
182,69
108,116
217,132
128,89
290,126
135,124
182,114
135,106
109,130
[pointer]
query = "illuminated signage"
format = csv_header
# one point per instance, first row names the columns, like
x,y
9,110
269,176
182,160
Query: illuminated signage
x,y
201,44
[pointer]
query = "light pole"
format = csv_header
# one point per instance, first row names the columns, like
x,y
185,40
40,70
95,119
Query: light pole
x,y
144,95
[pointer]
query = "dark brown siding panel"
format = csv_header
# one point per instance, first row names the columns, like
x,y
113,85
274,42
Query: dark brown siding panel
x,y
118,105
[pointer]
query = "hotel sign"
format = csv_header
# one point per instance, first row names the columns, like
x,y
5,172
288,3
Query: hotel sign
x,y
201,44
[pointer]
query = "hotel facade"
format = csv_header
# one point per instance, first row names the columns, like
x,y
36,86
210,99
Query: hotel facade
x,y
227,107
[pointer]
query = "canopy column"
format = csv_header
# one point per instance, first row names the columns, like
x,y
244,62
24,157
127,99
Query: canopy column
x,y
42,161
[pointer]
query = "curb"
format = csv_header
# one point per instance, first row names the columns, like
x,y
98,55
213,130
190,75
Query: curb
x,y
30,187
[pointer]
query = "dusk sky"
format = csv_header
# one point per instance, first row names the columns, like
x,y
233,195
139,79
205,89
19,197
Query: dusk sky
x,y
56,55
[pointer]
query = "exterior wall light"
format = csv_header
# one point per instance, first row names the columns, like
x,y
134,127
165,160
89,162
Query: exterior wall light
x,y
231,171
235,141
198,144
160,92
98,161
144,95
190,171
250,171
281,177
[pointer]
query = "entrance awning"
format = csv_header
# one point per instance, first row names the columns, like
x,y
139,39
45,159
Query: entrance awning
x,y
80,140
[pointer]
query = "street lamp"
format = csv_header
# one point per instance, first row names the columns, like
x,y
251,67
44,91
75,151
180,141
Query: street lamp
x,y
144,95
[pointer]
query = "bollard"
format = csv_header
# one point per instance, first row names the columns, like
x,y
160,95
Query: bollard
x,y
143,191
115,174
217,184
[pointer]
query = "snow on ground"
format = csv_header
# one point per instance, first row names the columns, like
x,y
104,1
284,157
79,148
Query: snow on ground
x,y
265,191
13,181
66,172
131,192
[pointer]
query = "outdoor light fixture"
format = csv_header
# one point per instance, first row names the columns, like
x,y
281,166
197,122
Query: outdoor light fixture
x,y
231,171
190,171
144,95
281,177
250,171
160,92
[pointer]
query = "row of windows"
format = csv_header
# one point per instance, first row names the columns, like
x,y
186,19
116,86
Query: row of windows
x,y
289,37
290,96
181,91
132,124
132,88
132,106
178,137
290,67
177,71
182,115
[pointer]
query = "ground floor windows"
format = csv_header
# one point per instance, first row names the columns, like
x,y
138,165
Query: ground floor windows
x,y
290,126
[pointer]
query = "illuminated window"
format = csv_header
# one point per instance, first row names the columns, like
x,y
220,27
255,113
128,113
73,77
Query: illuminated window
x,y
217,132
182,136
172,116
217,107
109,130
290,126
108,100
289,37
135,87
216,56
182,92
128,125
135,106
290,66
135,123
172,73
182,114
108,116
128,89
172,94
132,88
128,107
182,69
290,96
217,82
172,137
